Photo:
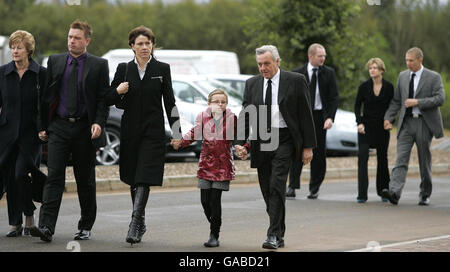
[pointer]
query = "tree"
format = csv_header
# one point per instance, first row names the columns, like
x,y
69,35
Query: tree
x,y
293,25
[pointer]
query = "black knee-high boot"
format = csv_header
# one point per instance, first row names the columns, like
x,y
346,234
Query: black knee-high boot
x,y
137,225
216,218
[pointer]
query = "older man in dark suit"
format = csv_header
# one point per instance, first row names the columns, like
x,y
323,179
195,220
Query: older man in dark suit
x,y
276,108
419,95
324,103
73,119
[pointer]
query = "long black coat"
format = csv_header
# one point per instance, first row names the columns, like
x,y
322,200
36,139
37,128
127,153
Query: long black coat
x,y
19,112
143,115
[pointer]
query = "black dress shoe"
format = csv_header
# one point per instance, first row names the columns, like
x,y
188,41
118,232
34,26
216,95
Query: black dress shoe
x,y
271,242
290,192
313,196
15,233
82,235
424,201
44,233
391,196
212,242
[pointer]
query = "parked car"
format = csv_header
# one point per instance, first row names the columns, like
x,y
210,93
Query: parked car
x,y
110,154
235,81
342,138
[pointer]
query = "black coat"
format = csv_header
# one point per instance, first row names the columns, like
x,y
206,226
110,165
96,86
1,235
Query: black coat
x,y
19,112
294,106
374,109
95,85
328,89
143,113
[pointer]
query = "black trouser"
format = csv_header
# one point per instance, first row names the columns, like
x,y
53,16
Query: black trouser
x,y
67,138
19,190
272,176
382,165
319,161
212,206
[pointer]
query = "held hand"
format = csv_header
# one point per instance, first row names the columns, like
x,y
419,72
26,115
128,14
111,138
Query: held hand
x,y
176,143
43,136
307,155
387,125
411,102
241,152
328,124
361,129
96,130
122,88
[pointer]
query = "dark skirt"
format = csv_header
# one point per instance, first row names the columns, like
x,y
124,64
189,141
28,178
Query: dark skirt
x,y
143,162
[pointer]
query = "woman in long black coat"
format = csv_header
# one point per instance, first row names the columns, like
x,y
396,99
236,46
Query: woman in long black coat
x,y
20,149
374,95
138,88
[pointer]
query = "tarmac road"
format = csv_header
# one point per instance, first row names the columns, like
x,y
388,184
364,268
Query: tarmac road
x,y
175,221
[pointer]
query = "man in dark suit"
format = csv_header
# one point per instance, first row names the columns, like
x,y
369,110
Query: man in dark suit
x,y
276,109
324,102
73,118
419,95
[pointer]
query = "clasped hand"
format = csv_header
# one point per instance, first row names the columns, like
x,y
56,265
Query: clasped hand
x,y
241,152
176,143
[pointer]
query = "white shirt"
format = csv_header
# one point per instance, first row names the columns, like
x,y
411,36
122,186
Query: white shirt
x,y
277,118
317,100
142,72
415,110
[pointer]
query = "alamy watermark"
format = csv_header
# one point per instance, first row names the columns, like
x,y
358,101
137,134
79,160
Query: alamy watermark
x,y
73,2
373,2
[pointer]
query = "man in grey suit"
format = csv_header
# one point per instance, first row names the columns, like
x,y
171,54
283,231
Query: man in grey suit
x,y
419,95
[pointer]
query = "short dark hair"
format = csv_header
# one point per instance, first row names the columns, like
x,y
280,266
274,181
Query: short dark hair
x,y
77,24
141,30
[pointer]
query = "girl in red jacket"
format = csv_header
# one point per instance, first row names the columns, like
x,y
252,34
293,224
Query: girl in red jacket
x,y
216,126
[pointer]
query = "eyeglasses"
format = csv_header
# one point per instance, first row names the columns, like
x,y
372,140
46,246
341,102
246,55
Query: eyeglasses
x,y
219,102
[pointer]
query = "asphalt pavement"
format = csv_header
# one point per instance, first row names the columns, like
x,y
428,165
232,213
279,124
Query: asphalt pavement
x,y
334,222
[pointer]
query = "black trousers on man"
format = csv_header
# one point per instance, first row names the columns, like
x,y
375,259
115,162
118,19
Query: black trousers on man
x,y
272,176
319,161
67,138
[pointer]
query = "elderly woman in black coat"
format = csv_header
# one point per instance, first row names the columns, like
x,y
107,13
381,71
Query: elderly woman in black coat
x,y
139,87
20,149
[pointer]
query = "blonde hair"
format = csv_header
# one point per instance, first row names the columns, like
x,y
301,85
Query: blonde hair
x,y
217,91
416,51
313,48
26,38
378,62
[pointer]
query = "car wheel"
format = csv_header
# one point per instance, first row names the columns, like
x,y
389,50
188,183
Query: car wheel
x,y
109,154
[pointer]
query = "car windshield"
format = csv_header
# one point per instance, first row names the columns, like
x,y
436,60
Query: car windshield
x,y
234,99
186,93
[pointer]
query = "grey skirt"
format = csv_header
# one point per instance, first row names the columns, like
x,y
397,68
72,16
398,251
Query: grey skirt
x,y
220,185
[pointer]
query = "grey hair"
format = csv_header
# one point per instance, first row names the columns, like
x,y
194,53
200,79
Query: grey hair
x,y
268,48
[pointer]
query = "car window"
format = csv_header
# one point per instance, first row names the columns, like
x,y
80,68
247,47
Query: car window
x,y
208,86
187,93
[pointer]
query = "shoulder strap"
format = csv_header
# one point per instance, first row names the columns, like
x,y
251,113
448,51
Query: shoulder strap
x,y
126,72
38,88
